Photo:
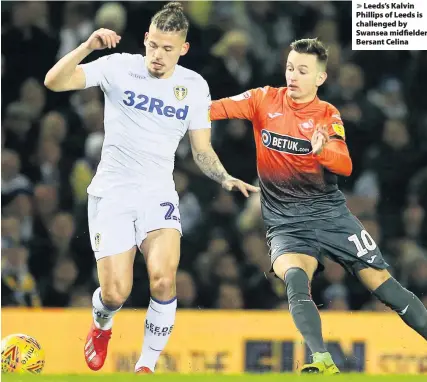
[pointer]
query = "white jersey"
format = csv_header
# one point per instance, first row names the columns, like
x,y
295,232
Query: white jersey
x,y
145,118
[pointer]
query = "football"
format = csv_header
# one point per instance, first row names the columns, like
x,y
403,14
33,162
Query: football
x,y
21,354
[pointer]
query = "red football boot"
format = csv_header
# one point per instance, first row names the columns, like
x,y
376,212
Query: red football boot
x,y
143,370
96,347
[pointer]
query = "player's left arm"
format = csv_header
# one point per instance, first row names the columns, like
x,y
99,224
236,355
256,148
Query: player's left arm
x,y
330,148
203,153
207,160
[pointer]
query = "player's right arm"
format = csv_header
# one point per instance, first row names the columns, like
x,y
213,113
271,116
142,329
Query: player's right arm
x,y
242,106
67,74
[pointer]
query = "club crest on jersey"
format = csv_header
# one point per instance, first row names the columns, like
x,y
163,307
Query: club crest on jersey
x,y
97,241
285,143
308,125
180,92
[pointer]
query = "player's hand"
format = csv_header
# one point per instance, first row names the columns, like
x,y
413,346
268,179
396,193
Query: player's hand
x,y
101,39
319,139
233,184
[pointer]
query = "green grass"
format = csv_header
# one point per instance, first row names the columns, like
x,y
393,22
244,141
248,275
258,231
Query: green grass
x,y
124,377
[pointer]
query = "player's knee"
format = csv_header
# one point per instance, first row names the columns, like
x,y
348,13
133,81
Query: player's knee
x,y
162,285
394,295
297,284
295,261
373,278
115,296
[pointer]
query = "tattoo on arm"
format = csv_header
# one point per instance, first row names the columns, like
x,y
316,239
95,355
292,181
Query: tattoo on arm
x,y
210,165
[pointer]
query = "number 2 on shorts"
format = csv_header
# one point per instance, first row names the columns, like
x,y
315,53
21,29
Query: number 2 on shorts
x,y
169,212
368,243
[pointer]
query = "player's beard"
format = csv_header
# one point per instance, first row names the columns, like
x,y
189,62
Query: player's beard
x,y
155,73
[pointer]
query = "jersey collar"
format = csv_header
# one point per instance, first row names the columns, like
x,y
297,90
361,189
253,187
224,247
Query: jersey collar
x,y
298,106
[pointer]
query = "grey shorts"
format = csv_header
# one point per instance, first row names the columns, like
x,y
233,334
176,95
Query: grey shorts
x,y
343,239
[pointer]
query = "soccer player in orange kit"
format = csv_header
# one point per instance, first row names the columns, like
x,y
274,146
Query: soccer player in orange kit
x,y
300,144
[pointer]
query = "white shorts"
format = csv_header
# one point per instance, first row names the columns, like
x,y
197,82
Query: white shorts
x,y
120,221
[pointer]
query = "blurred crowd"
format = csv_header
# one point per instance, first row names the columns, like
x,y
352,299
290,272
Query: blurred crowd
x,y
51,144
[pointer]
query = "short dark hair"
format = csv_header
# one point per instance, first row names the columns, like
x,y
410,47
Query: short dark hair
x,y
171,18
311,46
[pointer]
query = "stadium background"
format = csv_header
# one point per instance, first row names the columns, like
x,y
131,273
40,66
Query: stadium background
x,y
51,145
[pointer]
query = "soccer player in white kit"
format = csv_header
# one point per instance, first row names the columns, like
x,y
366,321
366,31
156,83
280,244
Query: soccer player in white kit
x,y
150,103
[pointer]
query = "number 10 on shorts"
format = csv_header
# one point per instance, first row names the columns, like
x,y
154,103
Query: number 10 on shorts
x,y
368,243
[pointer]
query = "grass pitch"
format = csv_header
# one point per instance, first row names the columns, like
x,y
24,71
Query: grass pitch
x,y
124,377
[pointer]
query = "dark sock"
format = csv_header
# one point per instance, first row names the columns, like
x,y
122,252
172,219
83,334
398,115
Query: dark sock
x,y
405,303
303,309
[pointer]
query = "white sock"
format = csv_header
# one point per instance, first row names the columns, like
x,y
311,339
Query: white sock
x,y
158,327
102,315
